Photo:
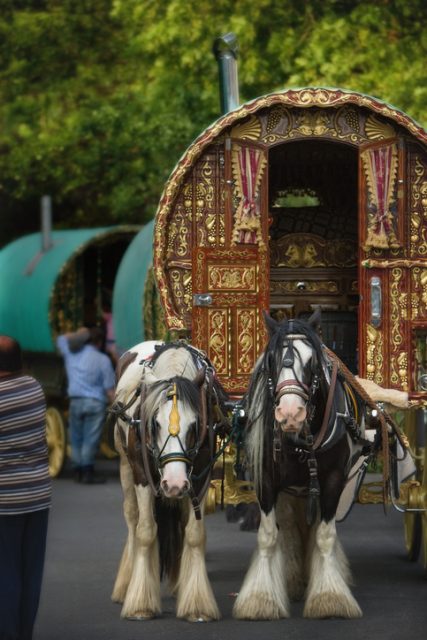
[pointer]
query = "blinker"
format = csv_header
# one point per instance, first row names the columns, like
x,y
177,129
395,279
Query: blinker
x,y
288,359
174,426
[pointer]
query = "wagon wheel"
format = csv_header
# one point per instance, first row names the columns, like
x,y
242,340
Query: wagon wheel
x,y
423,498
415,522
56,440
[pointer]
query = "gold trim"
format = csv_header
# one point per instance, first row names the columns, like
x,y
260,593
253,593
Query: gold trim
x,y
377,130
391,264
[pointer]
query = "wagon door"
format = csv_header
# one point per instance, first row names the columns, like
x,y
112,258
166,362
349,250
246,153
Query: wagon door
x,y
384,271
231,283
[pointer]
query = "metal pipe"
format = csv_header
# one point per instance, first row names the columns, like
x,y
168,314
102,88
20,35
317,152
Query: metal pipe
x,y
225,49
46,222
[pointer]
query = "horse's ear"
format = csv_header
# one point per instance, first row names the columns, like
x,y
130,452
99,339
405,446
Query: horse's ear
x,y
271,324
149,377
315,320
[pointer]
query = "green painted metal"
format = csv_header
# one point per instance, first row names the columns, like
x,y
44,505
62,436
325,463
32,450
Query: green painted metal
x,y
27,281
128,294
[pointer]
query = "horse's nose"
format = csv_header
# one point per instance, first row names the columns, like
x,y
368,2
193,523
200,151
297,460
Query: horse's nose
x,y
294,415
174,491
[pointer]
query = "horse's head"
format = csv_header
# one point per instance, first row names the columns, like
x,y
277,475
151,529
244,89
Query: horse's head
x,y
174,417
298,348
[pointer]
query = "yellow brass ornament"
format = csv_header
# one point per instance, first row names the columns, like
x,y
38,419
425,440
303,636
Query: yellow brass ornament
x,y
174,414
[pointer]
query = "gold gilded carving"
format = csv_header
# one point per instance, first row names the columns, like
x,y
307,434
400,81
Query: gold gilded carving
x,y
391,264
239,277
178,236
376,130
250,130
398,312
218,324
402,369
418,234
246,329
371,493
334,101
233,491
419,293
291,286
314,123
181,289
395,309
374,355
307,251
206,215
233,299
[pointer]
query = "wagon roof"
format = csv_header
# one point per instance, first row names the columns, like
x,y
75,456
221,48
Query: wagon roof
x,y
129,287
28,278
299,97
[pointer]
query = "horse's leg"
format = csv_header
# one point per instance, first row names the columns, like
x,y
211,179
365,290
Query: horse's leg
x,y
143,594
290,514
263,594
130,510
328,593
195,598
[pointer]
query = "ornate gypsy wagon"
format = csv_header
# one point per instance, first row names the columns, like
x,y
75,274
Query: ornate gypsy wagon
x,y
297,199
49,290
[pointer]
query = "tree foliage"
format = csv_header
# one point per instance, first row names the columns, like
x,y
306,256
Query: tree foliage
x,y
99,98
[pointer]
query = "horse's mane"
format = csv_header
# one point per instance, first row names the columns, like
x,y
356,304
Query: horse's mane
x,y
188,393
260,396
173,363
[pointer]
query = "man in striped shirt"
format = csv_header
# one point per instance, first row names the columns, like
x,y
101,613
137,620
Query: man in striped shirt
x,y
25,493
91,382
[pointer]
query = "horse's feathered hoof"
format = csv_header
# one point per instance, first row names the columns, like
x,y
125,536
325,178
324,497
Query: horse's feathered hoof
x,y
141,615
259,607
201,618
332,605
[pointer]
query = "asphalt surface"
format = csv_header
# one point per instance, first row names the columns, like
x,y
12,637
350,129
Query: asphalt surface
x,y
86,537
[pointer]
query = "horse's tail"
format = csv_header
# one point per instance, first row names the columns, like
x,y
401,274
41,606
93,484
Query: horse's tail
x,y
170,533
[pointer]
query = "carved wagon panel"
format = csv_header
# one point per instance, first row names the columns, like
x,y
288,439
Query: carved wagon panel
x,y
227,318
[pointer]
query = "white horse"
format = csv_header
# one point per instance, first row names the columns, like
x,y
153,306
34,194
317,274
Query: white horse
x,y
165,439
304,435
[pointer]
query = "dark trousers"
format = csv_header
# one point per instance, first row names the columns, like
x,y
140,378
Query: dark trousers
x,y
22,552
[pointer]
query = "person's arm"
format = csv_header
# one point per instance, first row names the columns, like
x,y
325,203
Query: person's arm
x,y
111,395
109,377
73,340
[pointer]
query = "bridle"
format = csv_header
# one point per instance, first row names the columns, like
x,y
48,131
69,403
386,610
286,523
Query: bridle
x,y
307,446
294,385
185,454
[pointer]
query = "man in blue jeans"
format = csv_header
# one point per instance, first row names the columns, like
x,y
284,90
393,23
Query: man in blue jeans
x,y
91,382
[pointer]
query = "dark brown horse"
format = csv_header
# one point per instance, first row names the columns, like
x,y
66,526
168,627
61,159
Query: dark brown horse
x,y
304,435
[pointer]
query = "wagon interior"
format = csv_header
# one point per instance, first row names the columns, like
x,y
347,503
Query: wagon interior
x,y
312,194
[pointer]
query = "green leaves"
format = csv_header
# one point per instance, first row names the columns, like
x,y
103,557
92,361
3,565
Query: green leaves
x,y
100,98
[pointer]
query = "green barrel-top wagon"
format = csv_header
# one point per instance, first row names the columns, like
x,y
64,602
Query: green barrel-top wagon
x,y
48,291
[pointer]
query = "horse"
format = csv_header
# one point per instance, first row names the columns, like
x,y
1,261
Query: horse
x,y
166,411
305,431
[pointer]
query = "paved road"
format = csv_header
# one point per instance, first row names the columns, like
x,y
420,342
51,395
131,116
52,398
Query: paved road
x,y
85,541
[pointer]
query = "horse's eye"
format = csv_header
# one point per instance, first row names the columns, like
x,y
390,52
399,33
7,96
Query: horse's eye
x,y
307,371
